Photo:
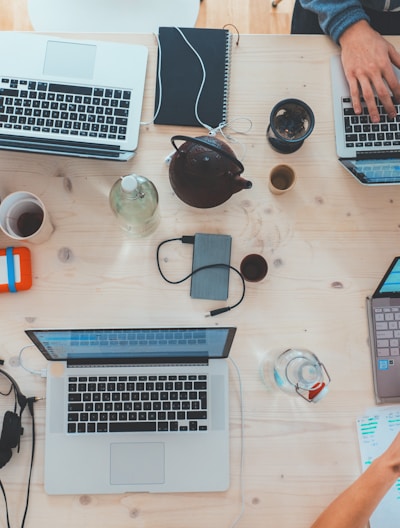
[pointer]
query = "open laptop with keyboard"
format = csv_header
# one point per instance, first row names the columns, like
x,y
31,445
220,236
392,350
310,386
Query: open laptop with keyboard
x,y
369,151
136,409
384,330
69,97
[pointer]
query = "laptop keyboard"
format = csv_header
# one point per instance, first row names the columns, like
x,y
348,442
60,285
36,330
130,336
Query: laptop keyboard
x,y
387,326
107,404
361,133
66,110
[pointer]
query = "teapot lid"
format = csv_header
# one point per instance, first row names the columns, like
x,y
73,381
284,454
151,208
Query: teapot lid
x,y
202,141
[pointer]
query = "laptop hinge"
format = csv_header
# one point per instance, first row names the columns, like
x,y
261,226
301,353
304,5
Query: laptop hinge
x,y
378,154
66,148
142,362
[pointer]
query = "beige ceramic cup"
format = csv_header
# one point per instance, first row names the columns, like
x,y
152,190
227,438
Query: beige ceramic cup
x,y
23,216
282,178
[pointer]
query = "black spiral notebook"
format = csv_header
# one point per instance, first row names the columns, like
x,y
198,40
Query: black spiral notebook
x,y
182,76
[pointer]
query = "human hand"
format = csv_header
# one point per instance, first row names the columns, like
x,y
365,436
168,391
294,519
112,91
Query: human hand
x,y
368,61
392,455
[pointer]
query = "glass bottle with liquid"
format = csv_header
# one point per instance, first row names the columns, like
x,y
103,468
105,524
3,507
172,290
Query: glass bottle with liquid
x,y
299,371
134,201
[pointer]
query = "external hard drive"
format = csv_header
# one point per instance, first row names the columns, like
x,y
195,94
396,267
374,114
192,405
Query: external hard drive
x,y
212,283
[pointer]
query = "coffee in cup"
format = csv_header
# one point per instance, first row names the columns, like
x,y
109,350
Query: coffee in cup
x,y
253,268
23,217
281,179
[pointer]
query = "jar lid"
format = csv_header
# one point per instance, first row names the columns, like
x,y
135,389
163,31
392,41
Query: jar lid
x,y
129,183
317,392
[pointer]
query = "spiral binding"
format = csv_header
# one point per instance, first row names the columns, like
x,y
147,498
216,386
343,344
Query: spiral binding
x,y
227,74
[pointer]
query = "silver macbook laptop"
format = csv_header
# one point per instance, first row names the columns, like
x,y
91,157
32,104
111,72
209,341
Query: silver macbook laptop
x,y
369,151
77,98
136,409
384,331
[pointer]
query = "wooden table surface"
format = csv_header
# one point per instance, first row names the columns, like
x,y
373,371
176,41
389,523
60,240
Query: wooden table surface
x,y
327,243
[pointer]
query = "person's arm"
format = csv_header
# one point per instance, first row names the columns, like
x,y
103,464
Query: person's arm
x,y
335,17
367,57
353,507
367,60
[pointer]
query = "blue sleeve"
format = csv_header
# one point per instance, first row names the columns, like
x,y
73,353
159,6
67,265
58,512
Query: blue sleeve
x,y
336,16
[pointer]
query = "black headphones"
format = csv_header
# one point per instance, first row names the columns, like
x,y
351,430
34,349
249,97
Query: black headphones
x,y
12,429
11,433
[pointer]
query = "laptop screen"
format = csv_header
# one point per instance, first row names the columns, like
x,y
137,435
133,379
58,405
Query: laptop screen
x,y
390,284
374,171
148,344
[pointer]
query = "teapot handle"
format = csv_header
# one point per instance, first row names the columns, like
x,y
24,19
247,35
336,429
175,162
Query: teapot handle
x,y
199,141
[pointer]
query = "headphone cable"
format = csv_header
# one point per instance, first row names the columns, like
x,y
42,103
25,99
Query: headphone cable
x,y
30,402
23,401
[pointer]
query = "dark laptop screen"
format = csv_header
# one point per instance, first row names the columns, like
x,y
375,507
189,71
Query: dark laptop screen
x,y
135,344
390,284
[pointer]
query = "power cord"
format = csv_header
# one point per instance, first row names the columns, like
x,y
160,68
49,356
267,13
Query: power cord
x,y
189,239
242,501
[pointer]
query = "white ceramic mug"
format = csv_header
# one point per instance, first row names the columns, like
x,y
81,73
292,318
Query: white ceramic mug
x,y
23,216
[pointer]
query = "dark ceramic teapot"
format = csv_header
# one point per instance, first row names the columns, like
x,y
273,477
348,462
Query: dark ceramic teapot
x,y
204,172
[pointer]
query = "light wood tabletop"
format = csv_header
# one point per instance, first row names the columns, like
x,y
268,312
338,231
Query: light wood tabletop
x,y
327,241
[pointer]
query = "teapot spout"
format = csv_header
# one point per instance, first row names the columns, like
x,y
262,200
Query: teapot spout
x,y
240,183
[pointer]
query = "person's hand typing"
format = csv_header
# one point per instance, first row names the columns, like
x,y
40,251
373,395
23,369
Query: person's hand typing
x,y
368,61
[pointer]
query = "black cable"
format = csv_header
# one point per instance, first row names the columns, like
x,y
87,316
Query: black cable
x,y
186,239
5,500
23,401
7,393
30,402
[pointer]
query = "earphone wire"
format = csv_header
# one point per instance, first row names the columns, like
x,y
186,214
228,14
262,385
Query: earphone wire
x,y
203,81
212,131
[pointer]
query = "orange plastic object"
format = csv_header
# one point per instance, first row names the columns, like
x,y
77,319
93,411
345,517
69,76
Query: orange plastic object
x,y
15,269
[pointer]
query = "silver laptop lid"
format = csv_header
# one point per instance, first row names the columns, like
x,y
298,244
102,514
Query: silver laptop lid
x,y
79,98
133,346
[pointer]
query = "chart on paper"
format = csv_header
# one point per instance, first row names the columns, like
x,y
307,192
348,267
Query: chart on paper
x,y
376,430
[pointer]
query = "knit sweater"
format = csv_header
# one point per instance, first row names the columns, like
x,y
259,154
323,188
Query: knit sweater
x,y
335,16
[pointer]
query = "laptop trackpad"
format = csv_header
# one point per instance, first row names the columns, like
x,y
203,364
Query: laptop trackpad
x,y
137,463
